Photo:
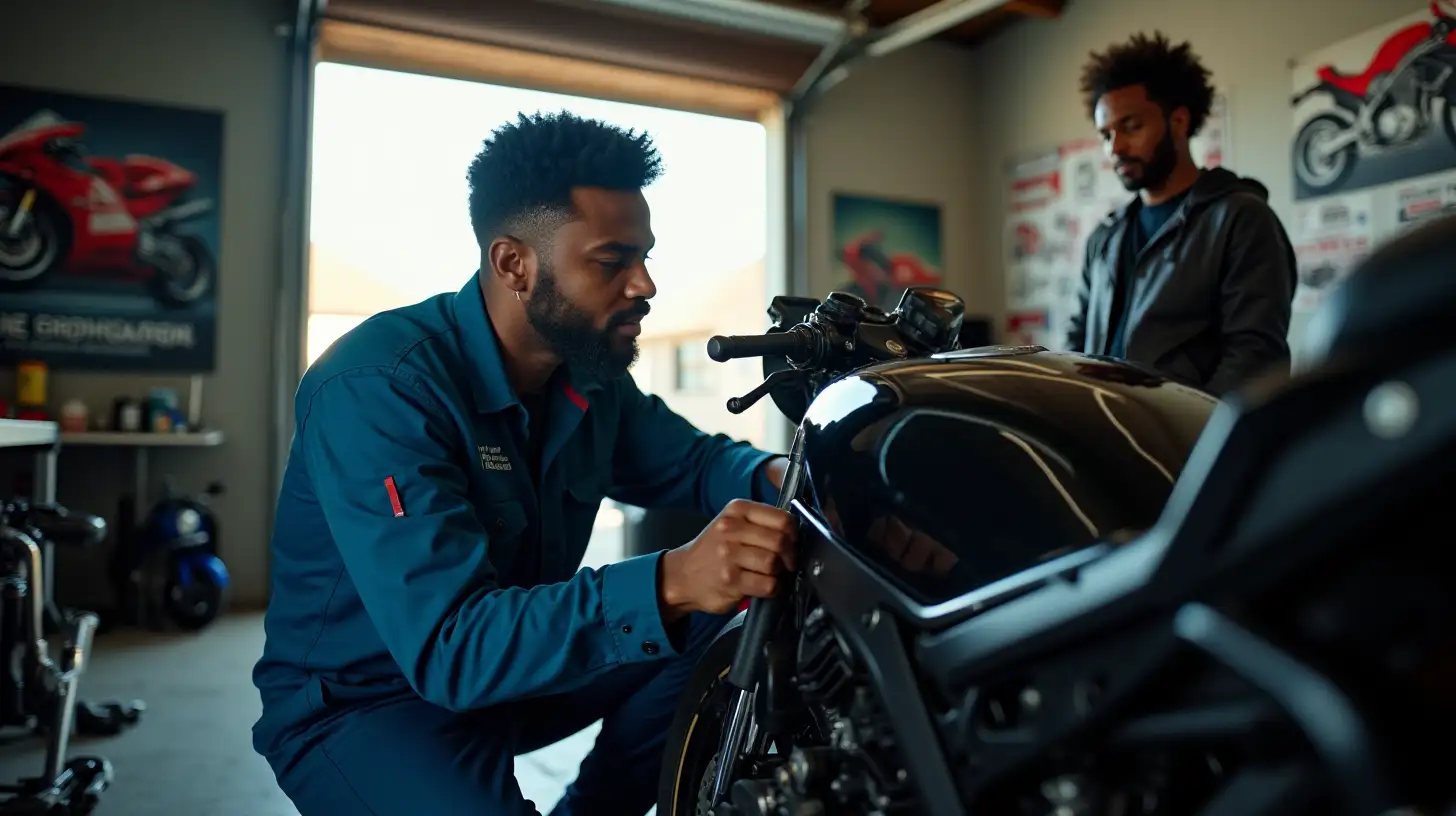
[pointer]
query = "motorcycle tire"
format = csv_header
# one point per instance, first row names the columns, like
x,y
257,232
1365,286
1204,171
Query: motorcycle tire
x,y
47,224
166,289
1344,159
690,752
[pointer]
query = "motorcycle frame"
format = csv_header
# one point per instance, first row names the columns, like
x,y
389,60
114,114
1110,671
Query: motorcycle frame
x,y
859,598
1360,111
1257,501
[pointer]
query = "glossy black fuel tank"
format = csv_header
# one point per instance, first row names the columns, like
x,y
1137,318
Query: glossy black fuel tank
x,y
956,471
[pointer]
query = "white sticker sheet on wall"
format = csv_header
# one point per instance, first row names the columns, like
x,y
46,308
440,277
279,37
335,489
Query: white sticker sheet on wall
x,y
1331,236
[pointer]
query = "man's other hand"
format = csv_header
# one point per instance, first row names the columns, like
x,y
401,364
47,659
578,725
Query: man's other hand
x,y
738,556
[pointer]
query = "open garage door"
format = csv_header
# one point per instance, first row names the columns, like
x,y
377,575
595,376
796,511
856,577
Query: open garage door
x,y
587,47
756,60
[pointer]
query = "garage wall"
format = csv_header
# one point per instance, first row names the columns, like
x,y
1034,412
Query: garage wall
x,y
1026,83
223,55
904,126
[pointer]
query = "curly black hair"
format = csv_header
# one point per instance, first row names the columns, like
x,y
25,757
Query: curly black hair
x,y
526,169
1173,75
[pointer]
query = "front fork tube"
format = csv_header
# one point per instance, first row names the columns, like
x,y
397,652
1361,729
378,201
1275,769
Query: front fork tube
x,y
741,729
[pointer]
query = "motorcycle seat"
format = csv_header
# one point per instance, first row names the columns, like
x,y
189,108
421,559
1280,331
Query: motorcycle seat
x,y
1386,58
1401,297
1355,84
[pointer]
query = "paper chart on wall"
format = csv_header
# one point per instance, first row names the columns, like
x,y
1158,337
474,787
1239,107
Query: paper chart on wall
x,y
1210,147
1425,198
1032,193
1334,234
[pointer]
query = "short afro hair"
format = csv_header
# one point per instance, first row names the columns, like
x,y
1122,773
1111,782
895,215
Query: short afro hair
x,y
1173,75
527,169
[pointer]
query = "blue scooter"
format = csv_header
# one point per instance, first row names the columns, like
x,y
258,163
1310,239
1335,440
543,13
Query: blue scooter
x,y
173,558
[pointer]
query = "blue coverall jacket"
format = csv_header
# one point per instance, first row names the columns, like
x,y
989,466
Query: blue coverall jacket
x,y
412,554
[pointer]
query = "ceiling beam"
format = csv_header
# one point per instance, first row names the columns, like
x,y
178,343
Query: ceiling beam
x,y
757,16
926,23
1044,9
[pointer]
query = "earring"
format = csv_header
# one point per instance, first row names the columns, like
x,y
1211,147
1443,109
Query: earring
x,y
518,296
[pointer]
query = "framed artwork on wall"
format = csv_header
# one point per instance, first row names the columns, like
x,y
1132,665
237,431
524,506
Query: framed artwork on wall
x,y
883,246
109,232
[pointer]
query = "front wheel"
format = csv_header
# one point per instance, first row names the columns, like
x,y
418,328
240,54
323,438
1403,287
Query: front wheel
x,y
1316,166
690,755
37,248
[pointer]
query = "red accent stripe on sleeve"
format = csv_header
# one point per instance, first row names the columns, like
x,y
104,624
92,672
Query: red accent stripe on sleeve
x,y
394,497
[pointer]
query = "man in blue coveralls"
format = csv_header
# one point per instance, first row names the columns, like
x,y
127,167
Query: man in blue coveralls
x,y
427,620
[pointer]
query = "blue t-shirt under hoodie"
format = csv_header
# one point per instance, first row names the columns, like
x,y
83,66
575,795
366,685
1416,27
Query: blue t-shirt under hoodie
x,y
1149,221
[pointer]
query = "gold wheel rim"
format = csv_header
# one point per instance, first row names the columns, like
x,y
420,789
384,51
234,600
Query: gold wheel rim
x,y
688,740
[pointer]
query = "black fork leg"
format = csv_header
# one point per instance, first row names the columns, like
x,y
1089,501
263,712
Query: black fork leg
x,y
748,663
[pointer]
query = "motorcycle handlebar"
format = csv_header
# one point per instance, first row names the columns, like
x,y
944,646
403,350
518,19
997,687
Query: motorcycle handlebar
x,y
792,344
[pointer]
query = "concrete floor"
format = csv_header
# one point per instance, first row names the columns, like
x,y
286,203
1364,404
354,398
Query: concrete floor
x,y
192,755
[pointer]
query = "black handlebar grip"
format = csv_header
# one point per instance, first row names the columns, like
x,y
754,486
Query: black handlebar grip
x,y
724,348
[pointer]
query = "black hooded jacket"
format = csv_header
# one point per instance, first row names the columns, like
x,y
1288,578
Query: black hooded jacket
x,y
1211,293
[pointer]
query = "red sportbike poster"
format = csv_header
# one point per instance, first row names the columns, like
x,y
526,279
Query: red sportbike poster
x,y
1377,108
109,232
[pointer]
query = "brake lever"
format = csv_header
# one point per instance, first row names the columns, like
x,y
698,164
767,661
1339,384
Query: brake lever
x,y
737,405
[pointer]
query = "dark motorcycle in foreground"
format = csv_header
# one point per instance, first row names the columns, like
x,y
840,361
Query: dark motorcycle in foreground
x,y
1046,583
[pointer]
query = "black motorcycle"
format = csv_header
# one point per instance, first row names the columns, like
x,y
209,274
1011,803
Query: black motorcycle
x,y
1047,583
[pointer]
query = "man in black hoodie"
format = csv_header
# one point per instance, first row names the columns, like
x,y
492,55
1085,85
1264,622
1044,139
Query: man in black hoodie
x,y
1195,277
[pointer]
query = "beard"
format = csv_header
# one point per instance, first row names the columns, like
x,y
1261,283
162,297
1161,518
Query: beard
x,y
601,354
1155,170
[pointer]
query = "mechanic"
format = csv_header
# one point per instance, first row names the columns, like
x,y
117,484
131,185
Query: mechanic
x,y
1195,276
427,620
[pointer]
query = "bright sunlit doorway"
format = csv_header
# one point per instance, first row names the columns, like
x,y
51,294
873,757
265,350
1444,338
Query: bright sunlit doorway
x,y
389,226
389,223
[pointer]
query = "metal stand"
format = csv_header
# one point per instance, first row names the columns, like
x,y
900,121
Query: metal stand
x,y
44,439
66,785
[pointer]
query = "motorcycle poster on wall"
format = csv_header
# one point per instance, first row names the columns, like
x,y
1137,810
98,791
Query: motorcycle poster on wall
x,y
1379,107
886,246
109,232
1374,138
